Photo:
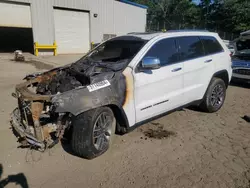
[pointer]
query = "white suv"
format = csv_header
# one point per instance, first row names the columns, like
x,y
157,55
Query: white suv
x,y
123,82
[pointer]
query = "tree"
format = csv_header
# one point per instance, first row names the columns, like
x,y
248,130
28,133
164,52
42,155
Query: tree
x,y
217,15
186,15
164,6
205,6
239,11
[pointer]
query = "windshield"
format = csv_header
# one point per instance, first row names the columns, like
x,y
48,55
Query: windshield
x,y
243,47
117,49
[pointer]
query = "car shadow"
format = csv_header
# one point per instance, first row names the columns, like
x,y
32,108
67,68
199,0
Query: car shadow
x,y
19,179
240,84
65,142
246,118
196,109
67,147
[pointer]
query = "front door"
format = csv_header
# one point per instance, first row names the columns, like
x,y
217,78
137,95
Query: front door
x,y
159,90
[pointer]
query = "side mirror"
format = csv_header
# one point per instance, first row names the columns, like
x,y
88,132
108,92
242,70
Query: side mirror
x,y
150,63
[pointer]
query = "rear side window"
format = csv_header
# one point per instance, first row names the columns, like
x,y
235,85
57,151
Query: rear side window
x,y
190,47
211,45
165,50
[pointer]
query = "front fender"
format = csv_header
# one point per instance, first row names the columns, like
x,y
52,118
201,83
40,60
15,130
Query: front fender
x,y
82,99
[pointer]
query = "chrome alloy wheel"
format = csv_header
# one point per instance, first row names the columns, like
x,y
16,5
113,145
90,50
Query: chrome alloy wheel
x,y
217,96
102,131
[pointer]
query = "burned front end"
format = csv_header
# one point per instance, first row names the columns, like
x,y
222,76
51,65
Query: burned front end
x,y
35,121
48,101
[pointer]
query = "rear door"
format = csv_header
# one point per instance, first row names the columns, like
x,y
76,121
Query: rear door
x,y
159,90
213,48
198,67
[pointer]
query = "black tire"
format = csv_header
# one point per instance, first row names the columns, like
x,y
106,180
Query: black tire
x,y
83,142
208,104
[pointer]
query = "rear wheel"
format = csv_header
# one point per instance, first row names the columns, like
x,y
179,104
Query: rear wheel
x,y
215,96
92,132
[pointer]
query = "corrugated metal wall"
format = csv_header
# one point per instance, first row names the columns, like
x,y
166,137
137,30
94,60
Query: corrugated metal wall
x,y
113,17
43,21
128,18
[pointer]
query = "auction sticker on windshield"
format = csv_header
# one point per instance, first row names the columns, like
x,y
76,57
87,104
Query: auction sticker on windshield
x,y
98,85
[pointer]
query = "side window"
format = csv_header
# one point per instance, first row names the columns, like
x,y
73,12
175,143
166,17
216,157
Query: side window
x,y
190,48
211,45
165,50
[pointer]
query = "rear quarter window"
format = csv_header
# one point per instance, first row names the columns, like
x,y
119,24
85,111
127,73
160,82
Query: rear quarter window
x,y
211,45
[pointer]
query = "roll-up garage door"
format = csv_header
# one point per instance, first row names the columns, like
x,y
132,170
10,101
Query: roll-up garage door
x,y
15,27
14,15
72,31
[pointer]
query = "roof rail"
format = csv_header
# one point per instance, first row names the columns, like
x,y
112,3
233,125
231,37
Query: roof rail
x,y
188,30
168,31
142,33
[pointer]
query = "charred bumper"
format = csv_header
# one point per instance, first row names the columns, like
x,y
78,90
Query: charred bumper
x,y
21,132
34,121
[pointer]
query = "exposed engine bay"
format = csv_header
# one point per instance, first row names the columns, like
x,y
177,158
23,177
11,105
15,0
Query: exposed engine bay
x,y
78,75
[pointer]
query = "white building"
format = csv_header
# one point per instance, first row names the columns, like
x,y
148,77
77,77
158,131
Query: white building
x,y
72,24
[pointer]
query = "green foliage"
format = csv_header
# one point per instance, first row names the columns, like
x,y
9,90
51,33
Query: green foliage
x,y
239,11
217,15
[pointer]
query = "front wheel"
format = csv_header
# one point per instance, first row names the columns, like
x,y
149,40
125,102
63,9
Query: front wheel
x,y
92,132
215,96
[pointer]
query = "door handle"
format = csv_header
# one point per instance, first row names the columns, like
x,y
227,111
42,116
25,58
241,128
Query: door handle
x,y
176,69
207,61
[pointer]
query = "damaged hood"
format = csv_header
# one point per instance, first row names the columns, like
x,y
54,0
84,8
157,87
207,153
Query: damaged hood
x,y
84,74
77,75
